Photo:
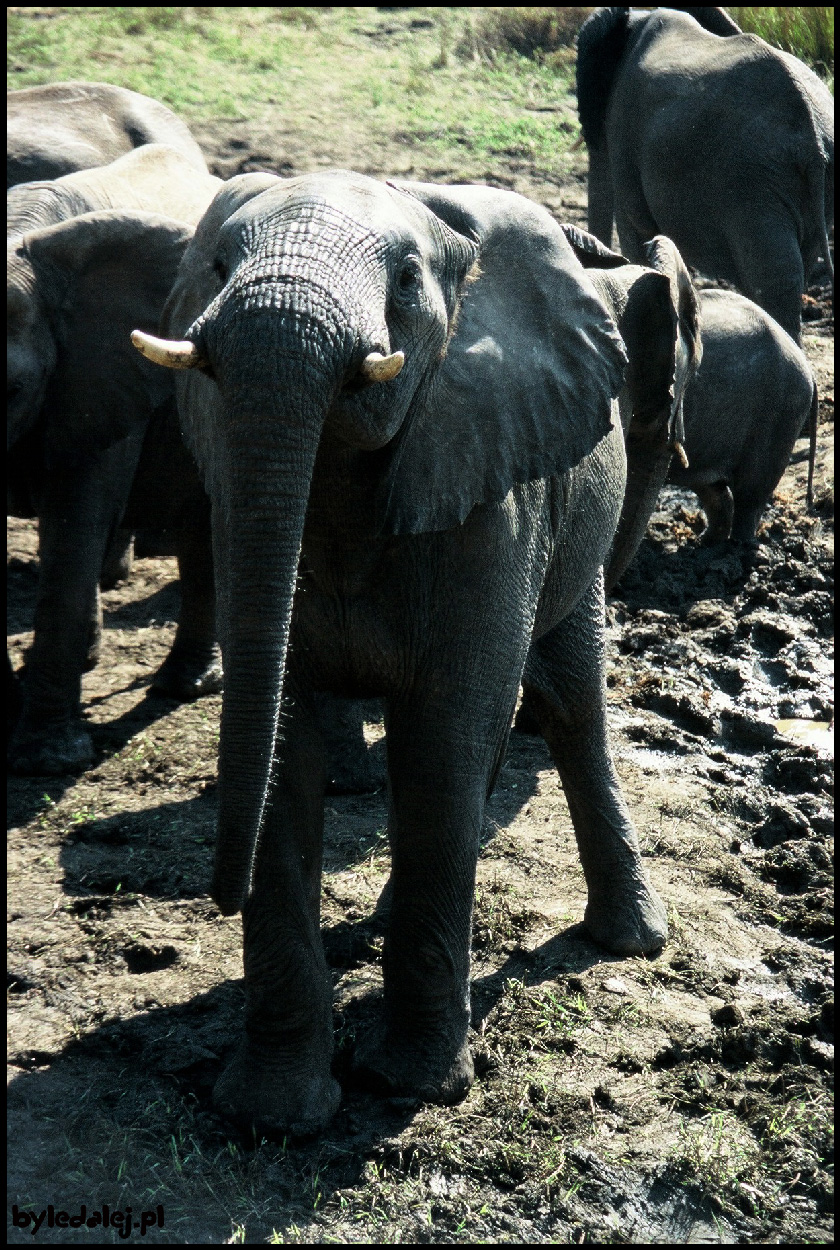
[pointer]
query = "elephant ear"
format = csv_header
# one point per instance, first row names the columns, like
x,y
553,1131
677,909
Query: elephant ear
x,y
101,275
657,311
526,387
590,251
663,255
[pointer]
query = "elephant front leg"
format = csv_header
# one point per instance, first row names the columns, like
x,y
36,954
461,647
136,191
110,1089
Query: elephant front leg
x,y
439,783
50,738
194,665
565,688
279,1080
79,509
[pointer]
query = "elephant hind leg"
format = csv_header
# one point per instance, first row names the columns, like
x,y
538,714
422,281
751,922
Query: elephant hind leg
x,y
718,504
746,517
193,667
118,561
770,271
565,688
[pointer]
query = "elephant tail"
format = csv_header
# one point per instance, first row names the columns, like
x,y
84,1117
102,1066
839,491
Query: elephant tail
x,y
602,40
812,450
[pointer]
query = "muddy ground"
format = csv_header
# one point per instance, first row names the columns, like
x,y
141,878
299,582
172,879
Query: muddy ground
x,y
680,1098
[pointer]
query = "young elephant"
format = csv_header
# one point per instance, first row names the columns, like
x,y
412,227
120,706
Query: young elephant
x,y
744,411
403,401
62,126
92,431
651,348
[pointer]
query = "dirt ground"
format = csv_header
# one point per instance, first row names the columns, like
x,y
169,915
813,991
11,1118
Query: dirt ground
x,y
684,1098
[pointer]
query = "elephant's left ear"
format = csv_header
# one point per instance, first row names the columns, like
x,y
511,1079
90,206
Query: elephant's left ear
x,y
526,387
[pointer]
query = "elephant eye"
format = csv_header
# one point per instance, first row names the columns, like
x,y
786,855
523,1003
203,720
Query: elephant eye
x,y
220,269
408,278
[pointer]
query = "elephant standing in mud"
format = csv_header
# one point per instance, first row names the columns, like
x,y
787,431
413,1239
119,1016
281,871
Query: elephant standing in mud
x,y
92,434
717,140
403,401
664,349
55,129
744,411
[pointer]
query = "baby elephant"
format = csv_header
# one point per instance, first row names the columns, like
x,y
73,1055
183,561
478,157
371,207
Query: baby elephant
x,y
744,410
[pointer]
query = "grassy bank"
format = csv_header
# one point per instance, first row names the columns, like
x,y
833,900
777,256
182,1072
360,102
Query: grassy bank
x,y
417,75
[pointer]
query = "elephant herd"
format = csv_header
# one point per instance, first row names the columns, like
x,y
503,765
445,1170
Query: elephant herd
x,y
407,434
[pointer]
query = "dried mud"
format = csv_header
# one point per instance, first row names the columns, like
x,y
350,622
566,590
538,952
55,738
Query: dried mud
x,y
681,1098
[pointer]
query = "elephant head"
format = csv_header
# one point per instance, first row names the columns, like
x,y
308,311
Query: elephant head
x,y
445,338
74,291
658,313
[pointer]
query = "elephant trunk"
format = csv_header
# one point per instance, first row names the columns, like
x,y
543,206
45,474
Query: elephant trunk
x,y
648,462
261,490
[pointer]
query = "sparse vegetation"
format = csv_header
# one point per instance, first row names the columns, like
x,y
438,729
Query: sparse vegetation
x,y
529,32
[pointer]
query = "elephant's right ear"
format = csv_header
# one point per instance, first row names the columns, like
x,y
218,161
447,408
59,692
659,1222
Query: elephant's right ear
x,y
526,387
197,284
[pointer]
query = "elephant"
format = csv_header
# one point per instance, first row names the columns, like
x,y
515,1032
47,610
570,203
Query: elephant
x,y
154,178
715,139
92,435
674,342
61,127
743,411
403,401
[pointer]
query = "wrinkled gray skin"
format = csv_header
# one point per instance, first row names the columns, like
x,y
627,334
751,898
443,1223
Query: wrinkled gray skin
x,y
92,432
56,129
719,141
430,540
744,411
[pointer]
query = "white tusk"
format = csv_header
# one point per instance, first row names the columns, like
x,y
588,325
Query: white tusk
x,y
165,352
377,368
680,450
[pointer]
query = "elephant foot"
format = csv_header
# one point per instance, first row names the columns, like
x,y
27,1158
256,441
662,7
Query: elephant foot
x,y
633,923
50,752
433,1069
118,562
260,1097
186,678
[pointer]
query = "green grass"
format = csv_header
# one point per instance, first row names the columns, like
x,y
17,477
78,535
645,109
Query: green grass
x,y
402,77
807,33
464,89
